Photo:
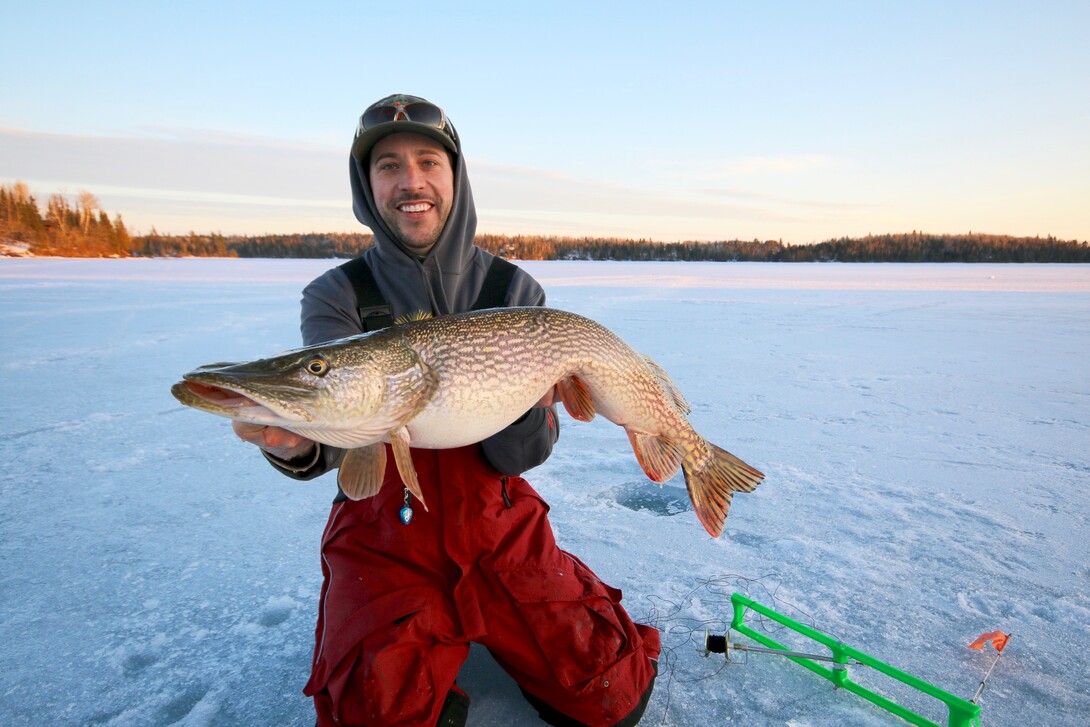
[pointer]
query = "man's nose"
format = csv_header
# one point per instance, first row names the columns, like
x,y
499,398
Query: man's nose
x,y
412,178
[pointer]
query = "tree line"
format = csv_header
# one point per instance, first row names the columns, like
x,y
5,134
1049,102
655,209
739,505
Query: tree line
x,y
80,229
83,229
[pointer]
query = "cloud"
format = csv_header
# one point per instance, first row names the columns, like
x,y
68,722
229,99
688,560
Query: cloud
x,y
181,180
178,180
530,200
200,163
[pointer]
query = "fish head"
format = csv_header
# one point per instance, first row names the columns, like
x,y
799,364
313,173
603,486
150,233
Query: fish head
x,y
317,391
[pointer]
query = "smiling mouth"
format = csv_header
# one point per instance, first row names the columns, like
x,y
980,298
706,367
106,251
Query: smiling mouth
x,y
415,207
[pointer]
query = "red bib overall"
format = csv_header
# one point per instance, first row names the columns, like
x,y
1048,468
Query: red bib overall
x,y
401,603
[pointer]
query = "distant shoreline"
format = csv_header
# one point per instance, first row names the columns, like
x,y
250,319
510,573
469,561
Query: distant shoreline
x,y
83,229
667,279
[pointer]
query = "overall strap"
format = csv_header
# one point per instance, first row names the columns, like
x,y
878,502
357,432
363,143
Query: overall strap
x,y
375,312
496,282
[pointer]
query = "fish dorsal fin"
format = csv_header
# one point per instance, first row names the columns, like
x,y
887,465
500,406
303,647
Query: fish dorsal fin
x,y
399,442
577,399
416,315
668,385
362,471
659,457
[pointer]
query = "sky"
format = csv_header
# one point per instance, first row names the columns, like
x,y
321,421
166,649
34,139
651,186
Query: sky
x,y
796,121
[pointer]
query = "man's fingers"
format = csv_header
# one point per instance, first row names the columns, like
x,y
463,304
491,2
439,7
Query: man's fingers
x,y
276,441
252,433
277,437
548,400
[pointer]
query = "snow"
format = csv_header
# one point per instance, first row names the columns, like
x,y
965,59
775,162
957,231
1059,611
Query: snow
x,y
924,429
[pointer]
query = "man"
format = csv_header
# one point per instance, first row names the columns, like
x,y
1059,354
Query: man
x,y
404,595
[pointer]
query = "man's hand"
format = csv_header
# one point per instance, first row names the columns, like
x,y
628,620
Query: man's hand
x,y
280,443
548,400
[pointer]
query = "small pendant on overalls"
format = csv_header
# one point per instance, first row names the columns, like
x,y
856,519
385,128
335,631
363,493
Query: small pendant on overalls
x,y
406,513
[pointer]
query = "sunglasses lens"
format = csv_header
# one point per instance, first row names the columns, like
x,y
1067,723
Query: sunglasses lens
x,y
425,113
421,113
378,115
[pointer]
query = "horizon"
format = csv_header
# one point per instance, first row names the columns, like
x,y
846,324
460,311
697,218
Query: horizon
x,y
697,122
364,231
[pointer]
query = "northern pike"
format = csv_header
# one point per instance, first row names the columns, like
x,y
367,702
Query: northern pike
x,y
454,380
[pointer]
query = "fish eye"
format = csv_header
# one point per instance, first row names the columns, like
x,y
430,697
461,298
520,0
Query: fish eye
x,y
318,366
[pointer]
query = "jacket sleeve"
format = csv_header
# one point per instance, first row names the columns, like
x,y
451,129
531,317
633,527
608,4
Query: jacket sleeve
x,y
529,441
328,313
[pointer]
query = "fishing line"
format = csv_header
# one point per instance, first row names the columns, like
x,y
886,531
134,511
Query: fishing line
x,y
733,594
680,632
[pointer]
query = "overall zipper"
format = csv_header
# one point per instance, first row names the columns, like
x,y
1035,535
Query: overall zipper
x,y
503,490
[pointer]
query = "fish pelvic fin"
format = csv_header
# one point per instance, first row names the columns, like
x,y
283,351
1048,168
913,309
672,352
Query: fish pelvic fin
x,y
577,399
659,457
399,442
712,487
362,471
668,385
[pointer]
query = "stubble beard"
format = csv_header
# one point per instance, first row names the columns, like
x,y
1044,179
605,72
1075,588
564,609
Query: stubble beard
x,y
416,246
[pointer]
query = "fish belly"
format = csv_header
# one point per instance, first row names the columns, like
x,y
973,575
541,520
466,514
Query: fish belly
x,y
460,419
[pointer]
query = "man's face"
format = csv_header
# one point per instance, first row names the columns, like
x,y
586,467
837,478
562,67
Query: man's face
x,y
413,182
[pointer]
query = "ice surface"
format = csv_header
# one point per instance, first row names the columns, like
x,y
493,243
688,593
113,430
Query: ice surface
x,y
925,431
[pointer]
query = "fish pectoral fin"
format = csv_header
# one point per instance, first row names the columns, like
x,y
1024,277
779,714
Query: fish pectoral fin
x,y
659,457
577,399
668,385
712,487
399,442
362,471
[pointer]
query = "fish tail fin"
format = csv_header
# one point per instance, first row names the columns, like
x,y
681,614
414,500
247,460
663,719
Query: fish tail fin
x,y
712,487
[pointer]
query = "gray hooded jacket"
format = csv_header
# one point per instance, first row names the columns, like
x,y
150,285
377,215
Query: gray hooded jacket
x,y
447,280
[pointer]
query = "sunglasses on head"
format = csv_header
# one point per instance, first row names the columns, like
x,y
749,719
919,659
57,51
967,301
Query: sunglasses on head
x,y
419,112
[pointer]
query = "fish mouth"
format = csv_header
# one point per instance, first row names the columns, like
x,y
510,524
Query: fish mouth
x,y
220,397
238,401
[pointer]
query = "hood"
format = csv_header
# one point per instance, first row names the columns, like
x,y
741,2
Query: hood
x,y
396,268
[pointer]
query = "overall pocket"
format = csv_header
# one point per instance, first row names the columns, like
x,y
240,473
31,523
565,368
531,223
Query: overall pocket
x,y
571,615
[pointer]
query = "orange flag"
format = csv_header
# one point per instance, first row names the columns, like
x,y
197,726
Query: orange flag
x,y
998,639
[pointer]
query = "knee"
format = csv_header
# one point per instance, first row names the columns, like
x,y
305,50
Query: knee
x,y
550,714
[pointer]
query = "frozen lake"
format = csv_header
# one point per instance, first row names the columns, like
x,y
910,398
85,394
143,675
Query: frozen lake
x,y
924,429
